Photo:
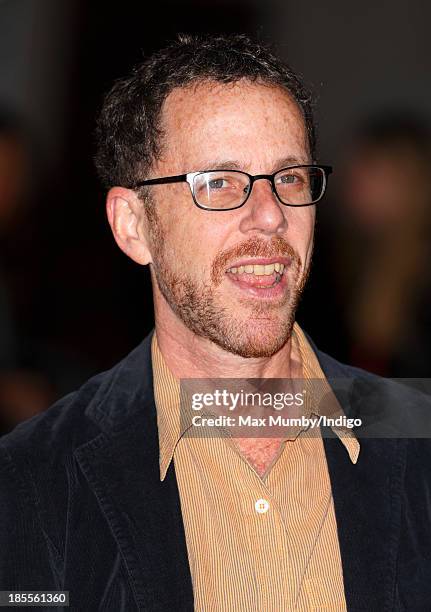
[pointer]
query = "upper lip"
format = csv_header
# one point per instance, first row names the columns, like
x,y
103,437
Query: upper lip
x,y
260,261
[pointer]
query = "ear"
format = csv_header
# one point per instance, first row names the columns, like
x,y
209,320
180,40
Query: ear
x,y
125,210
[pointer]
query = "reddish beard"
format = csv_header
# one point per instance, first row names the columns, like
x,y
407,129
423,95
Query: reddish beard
x,y
195,303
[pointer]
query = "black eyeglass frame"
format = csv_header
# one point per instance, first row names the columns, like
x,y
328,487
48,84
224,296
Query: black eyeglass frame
x,y
190,177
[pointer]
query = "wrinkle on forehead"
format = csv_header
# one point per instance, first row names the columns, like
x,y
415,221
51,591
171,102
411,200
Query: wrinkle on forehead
x,y
221,120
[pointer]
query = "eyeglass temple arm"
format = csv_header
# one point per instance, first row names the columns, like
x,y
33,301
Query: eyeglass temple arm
x,y
161,181
327,169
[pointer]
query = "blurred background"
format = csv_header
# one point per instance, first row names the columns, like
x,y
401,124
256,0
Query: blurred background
x,y
71,304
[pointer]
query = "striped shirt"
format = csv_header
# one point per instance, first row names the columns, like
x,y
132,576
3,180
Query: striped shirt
x,y
254,543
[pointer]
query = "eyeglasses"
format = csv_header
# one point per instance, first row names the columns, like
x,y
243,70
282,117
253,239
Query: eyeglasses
x,y
229,189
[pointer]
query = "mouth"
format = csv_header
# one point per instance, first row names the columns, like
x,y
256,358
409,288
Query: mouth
x,y
264,278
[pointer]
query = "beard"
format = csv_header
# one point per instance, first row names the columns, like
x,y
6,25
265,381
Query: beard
x,y
263,328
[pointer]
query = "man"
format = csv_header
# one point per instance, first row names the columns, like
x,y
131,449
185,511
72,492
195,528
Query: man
x,y
207,151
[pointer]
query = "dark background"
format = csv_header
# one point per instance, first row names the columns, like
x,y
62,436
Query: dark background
x,y
77,304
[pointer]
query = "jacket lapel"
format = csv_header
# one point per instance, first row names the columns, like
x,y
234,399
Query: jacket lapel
x,y
121,465
367,500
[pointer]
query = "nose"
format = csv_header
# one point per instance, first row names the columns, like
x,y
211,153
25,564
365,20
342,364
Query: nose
x,y
263,212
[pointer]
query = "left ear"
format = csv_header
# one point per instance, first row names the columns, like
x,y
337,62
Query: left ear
x,y
124,210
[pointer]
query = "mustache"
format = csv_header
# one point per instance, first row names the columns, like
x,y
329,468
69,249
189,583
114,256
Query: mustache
x,y
253,247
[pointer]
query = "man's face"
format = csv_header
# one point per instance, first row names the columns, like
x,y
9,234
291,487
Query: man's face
x,y
257,129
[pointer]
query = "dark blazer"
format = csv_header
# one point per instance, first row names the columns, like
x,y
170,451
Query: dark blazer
x,y
82,507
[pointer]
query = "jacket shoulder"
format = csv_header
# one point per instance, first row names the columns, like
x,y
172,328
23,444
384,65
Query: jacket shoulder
x,y
389,408
82,414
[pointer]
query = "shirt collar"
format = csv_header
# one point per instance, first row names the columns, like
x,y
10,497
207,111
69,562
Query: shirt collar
x,y
171,427
318,387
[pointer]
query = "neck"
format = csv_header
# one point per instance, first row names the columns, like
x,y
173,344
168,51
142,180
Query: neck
x,y
190,356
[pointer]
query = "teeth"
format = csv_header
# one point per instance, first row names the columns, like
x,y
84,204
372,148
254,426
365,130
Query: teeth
x,y
259,269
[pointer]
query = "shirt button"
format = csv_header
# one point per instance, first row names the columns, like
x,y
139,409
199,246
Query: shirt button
x,y
261,506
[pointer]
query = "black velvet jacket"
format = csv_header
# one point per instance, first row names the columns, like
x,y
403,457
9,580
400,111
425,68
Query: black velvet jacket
x,y
82,507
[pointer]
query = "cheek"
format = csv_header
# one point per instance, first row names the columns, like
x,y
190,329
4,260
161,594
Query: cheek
x,y
172,232
301,230
191,242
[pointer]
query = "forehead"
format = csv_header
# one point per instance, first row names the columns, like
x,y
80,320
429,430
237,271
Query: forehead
x,y
248,122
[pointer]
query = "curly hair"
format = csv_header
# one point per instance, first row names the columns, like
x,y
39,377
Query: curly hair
x,y
128,133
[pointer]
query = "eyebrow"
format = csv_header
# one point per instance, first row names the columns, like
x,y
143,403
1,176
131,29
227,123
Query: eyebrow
x,y
229,164
222,165
291,161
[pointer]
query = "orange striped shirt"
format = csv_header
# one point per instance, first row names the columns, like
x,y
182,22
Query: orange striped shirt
x,y
254,543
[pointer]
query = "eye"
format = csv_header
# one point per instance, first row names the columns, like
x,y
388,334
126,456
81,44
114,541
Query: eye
x,y
289,178
217,183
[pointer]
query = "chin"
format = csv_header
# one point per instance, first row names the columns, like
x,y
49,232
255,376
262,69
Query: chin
x,y
255,339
